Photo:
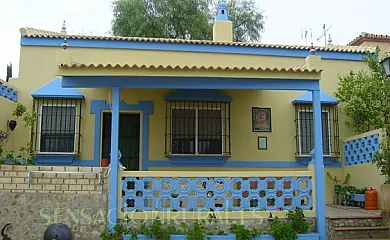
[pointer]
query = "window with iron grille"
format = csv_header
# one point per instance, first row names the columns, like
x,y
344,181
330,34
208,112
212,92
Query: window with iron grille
x,y
196,127
57,129
305,130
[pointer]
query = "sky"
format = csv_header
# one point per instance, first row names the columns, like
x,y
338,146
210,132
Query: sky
x,y
285,20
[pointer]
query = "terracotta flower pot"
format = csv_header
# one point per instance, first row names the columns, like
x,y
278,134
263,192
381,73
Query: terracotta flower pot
x,y
105,162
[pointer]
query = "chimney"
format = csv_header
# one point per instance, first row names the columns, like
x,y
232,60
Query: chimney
x,y
9,72
223,28
312,61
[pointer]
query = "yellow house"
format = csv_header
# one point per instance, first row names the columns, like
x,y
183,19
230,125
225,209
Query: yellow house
x,y
190,113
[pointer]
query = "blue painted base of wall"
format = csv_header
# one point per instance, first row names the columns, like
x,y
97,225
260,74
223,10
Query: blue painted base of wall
x,y
197,160
310,236
328,161
205,162
55,159
63,160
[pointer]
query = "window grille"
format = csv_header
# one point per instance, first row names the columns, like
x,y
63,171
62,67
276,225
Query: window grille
x,y
57,129
197,127
305,129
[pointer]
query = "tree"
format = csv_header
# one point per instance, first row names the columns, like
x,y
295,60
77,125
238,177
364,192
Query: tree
x,y
366,95
189,19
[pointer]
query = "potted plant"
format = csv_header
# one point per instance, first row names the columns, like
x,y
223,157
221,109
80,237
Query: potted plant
x,y
347,193
105,161
338,182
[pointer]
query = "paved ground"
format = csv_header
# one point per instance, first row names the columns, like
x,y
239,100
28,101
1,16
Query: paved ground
x,y
341,211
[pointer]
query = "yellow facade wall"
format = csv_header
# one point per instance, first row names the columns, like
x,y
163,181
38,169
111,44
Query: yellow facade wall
x,y
38,67
383,46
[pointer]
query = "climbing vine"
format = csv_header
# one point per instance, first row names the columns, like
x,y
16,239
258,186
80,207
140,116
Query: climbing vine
x,y
24,156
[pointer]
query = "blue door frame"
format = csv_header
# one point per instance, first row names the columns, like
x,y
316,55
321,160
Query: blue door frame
x,y
149,82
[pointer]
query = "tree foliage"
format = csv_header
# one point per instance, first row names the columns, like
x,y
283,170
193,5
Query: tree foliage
x,y
366,95
189,19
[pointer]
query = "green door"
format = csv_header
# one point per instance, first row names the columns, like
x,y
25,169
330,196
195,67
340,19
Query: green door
x,y
129,132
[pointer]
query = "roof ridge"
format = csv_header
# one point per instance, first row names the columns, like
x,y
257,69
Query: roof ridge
x,y
186,67
33,32
368,35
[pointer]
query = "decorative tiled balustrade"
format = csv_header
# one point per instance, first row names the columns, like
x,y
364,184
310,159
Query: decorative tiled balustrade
x,y
8,92
228,192
362,149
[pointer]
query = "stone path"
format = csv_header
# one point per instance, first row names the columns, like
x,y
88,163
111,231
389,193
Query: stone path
x,y
340,211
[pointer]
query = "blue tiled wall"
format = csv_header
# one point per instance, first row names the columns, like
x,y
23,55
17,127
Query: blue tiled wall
x,y
8,93
361,150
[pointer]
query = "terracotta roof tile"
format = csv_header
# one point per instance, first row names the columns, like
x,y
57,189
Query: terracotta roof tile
x,y
178,67
32,32
370,36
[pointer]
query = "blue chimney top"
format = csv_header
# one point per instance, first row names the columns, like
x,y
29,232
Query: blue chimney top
x,y
222,11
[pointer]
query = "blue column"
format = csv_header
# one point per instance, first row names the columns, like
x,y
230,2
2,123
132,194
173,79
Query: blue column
x,y
319,166
113,196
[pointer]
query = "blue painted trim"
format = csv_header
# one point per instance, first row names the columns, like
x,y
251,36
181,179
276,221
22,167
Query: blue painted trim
x,y
146,107
211,95
138,82
113,189
328,161
55,159
189,47
319,166
8,93
74,163
238,164
306,98
54,90
204,163
197,160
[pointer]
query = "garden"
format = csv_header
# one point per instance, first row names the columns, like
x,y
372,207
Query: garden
x,y
24,156
295,227
348,195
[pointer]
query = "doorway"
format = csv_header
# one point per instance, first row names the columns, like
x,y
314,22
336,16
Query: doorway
x,y
129,139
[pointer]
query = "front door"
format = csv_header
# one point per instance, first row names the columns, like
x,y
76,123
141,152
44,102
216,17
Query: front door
x,y
129,134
